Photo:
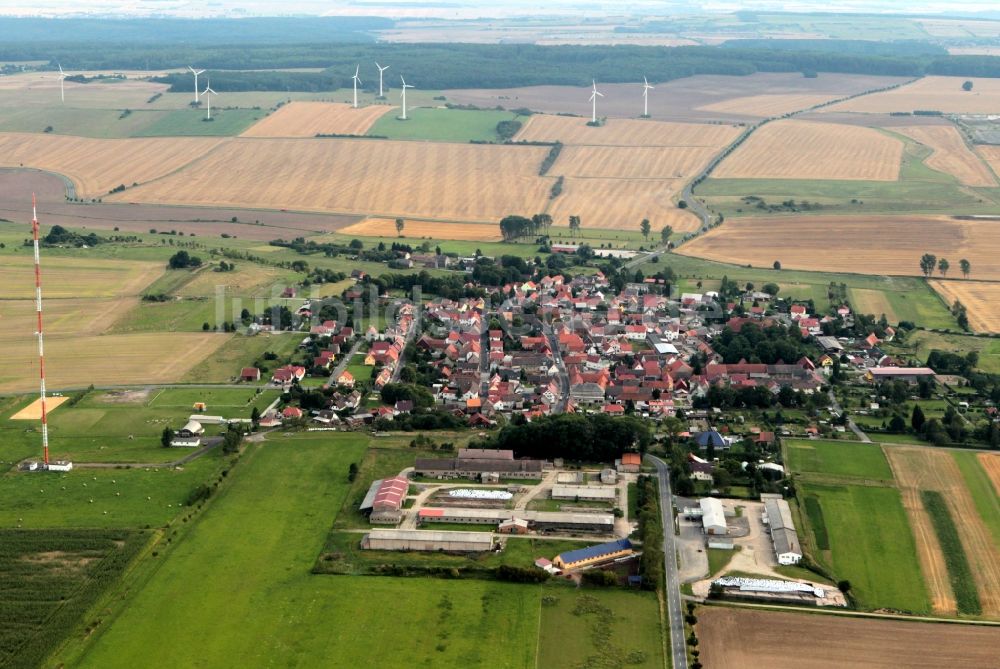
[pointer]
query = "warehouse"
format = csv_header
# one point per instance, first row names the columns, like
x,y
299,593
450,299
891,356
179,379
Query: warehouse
x,y
592,555
537,520
384,501
713,518
428,540
587,493
778,516
474,463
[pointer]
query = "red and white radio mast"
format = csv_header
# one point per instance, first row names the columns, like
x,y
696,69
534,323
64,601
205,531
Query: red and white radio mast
x,y
41,345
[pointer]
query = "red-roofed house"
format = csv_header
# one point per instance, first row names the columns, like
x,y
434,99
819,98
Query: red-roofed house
x,y
249,374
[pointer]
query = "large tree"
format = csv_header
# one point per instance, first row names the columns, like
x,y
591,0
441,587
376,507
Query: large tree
x,y
645,227
574,225
917,418
944,266
399,226
928,262
665,233
966,267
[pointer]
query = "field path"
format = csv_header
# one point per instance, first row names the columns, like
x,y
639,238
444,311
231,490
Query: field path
x,y
923,468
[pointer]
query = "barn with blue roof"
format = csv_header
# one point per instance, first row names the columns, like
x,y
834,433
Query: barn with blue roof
x,y
591,555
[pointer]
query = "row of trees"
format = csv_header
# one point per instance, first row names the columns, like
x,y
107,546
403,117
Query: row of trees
x,y
929,261
514,226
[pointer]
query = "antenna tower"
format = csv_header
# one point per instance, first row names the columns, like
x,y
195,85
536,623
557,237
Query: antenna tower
x,y
41,346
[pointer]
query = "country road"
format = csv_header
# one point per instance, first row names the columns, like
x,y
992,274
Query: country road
x,y
675,617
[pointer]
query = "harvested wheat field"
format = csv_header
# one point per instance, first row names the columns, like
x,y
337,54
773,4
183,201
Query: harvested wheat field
x,y
572,130
950,154
620,204
63,317
812,150
980,299
991,465
308,119
615,162
929,554
768,105
845,243
923,468
942,94
991,154
74,362
95,166
76,277
735,638
386,227
34,410
870,301
425,180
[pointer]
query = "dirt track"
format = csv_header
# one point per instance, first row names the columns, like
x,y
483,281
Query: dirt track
x,y
733,638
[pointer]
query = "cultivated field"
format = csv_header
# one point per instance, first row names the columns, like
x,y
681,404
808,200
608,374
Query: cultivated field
x,y
34,410
917,469
75,277
845,243
624,132
991,154
614,162
791,149
767,105
95,166
621,204
980,299
991,464
732,638
386,227
950,154
870,301
942,94
460,181
308,119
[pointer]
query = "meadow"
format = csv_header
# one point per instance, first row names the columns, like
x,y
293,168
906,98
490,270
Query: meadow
x,y
837,458
435,124
225,122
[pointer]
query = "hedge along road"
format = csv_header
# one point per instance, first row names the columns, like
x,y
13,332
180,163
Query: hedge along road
x,y
678,646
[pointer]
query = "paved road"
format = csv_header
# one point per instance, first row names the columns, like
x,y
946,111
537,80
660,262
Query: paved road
x,y
563,402
344,362
850,422
675,616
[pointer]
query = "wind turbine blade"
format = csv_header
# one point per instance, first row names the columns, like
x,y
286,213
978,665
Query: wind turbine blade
x,y
403,80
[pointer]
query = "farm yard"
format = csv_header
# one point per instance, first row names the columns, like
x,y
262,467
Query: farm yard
x,y
838,243
459,181
95,166
950,154
942,94
980,299
308,119
731,638
792,149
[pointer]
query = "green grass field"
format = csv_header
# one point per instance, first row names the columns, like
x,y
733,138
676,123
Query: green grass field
x,y
191,123
921,342
442,125
612,628
955,559
239,351
837,458
238,590
871,545
981,488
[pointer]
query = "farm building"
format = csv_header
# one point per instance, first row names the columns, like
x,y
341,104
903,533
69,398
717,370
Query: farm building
x,y
427,540
711,438
189,435
609,476
569,478
537,520
250,374
778,517
713,519
592,555
908,374
473,463
384,501
629,463
514,526
588,493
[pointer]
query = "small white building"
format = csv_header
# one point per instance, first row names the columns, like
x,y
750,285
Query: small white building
x,y
713,518
778,517
188,436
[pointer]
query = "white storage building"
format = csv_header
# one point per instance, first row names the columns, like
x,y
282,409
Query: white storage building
x,y
713,518
778,516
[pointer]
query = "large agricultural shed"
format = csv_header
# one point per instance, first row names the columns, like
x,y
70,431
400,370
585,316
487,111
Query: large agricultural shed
x,y
778,516
427,540
473,463
591,555
588,493
538,520
384,501
713,518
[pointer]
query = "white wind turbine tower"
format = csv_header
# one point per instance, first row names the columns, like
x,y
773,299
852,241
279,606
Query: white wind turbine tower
x,y
380,71
195,73
208,93
593,99
62,79
357,80
405,86
646,88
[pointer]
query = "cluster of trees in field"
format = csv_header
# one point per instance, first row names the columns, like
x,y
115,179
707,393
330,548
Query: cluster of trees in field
x,y
442,66
929,262
514,226
761,345
590,438
183,260
60,236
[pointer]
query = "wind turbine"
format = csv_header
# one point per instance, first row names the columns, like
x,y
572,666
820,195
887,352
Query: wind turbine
x,y
380,71
208,93
405,86
646,88
195,73
62,79
357,80
593,100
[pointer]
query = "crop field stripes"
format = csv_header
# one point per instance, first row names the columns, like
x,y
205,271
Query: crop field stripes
x,y
815,514
959,572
